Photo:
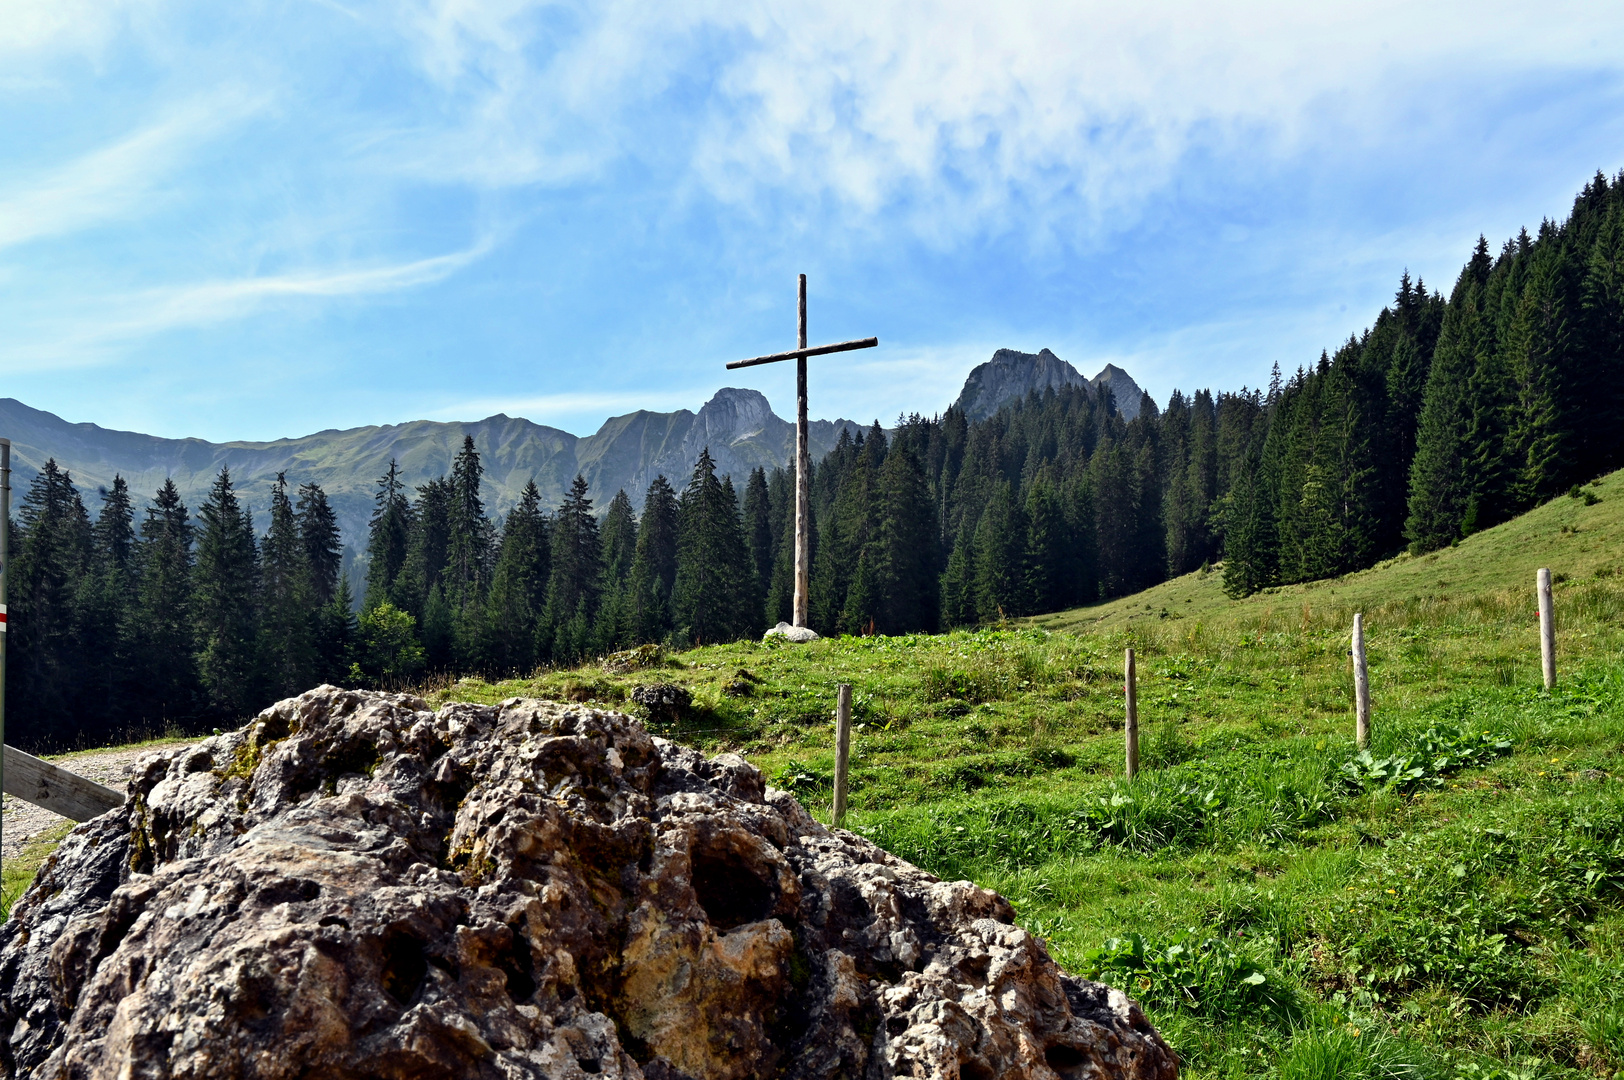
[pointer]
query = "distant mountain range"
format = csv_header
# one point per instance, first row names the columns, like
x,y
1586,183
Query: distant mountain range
x,y
627,452
1011,375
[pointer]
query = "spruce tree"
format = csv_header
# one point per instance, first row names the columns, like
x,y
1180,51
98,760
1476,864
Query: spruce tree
x,y
1543,440
333,620
849,526
1000,570
618,535
418,587
907,546
468,556
51,560
105,601
1180,508
1048,547
1440,487
1249,528
1602,341
1081,525
710,597
387,540
165,643
957,586
654,566
287,624
572,587
320,538
1116,519
758,535
780,585
518,587
337,637
225,584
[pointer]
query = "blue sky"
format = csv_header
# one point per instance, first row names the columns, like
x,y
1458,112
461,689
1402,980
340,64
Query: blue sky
x,y
256,220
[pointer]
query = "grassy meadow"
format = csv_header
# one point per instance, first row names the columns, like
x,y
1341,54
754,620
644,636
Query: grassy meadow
x,y
1449,904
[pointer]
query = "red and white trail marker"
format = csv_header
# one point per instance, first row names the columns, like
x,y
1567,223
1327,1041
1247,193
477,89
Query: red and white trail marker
x,y
2,618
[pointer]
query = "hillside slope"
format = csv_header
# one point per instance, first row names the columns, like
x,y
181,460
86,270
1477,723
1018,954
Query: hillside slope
x,y
1575,540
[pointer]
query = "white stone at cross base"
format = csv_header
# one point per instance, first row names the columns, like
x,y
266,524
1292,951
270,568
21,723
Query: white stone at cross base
x,y
791,633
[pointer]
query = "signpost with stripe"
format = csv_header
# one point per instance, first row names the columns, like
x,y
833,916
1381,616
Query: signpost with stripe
x,y
5,570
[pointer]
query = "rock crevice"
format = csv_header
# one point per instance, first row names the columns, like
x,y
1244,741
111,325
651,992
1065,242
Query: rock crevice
x,y
356,885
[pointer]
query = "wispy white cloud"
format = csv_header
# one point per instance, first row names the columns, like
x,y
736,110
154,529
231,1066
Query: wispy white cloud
x,y
30,28
107,321
1042,132
117,181
953,116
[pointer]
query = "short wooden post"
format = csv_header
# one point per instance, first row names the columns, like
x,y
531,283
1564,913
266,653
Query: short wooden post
x,y
1547,628
1361,686
842,751
1130,730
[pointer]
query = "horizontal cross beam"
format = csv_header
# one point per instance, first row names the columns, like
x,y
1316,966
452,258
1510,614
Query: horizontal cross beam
x,y
56,789
816,350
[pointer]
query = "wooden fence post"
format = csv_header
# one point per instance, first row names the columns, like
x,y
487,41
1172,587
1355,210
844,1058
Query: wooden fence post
x,y
1547,627
1130,730
1361,686
842,751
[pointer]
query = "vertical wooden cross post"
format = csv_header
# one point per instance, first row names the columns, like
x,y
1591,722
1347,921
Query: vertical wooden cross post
x,y
5,570
803,452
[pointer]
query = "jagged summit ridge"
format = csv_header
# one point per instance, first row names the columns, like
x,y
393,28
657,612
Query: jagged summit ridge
x,y
1010,375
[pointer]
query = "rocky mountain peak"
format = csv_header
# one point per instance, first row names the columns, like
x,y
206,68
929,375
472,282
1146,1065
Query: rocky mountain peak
x,y
1123,388
733,413
1011,375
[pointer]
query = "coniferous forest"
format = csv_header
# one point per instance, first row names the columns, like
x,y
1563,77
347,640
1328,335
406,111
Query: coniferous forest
x,y
1448,415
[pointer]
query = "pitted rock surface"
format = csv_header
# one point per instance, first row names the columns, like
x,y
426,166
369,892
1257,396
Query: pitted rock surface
x,y
357,886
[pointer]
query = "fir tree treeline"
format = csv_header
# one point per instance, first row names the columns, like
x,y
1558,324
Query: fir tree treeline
x,y
171,622
1446,416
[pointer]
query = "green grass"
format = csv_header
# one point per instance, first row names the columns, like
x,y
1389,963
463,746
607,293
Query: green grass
x,y
1450,906
17,873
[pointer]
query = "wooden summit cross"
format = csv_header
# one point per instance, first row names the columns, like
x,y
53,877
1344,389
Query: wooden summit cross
x,y
803,452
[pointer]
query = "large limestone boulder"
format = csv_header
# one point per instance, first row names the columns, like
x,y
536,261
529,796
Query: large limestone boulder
x,y
357,886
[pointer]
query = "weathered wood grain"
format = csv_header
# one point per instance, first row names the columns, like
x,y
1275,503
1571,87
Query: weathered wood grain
x,y
1130,730
842,751
803,352
1547,627
1361,685
55,788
